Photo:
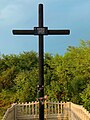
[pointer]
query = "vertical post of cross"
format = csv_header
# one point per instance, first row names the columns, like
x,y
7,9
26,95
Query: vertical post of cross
x,y
41,62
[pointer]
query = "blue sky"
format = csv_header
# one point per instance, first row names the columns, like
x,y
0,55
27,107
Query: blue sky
x,y
58,14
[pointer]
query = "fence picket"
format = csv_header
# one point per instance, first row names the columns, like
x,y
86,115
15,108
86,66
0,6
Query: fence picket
x,y
26,108
55,107
29,108
58,108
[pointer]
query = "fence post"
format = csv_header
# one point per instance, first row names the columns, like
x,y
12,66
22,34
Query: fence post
x,y
69,111
15,111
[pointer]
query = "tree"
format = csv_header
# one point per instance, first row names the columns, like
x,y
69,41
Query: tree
x,y
85,95
26,86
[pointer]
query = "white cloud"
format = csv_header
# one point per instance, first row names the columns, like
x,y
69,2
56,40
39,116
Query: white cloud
x,y
14,12
10,14
8,11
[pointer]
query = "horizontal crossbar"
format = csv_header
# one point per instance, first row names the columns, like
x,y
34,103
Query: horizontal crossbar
x,y
49,32
23,32
58,32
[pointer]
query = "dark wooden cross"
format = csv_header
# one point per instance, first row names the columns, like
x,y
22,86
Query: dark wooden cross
x,y
41,31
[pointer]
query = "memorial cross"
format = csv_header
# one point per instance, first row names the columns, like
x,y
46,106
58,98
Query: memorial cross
x,y
41,31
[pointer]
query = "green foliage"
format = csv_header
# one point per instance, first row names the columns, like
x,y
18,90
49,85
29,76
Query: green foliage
x,y
7,78
67,78
6,99
26,86
85,95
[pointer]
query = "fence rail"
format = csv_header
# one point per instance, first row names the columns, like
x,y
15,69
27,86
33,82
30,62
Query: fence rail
x,y
52,110
10,113
78,112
